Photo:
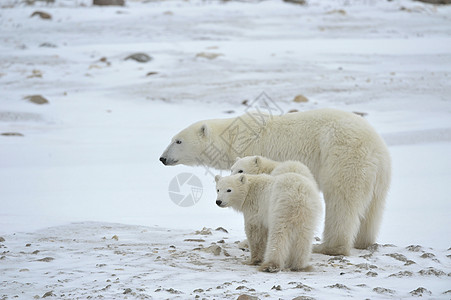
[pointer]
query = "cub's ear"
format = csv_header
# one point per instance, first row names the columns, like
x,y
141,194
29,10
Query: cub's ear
x,y
258,161
237,158
217,178
243,179
204,131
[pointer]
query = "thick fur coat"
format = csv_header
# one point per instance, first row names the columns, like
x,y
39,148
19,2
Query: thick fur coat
x,y
348,159
280,216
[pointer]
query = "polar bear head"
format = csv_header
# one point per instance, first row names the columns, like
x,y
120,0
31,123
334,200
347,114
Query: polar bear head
x,y
186,146
248,165
232,191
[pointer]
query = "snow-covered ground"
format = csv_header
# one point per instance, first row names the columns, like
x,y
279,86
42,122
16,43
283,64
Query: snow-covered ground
x,y
84,203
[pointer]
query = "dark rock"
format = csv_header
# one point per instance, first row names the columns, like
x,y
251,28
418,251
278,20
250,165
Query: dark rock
x,y
419,292
300,285
300,99
366,266
204,231
442,2
246,297
431,271
194,240
37,99
42,15
371,274
373,247
49,294
173,291
362,114
414,248
401,274
427,255
300,2
109,2
409,262
48,45
32,2
381,290
139,57
338,286
46,259
11,134
397,256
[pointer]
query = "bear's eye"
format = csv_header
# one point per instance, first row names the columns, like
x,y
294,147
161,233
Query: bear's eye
x,y
178,142
240,171
217,191
229,190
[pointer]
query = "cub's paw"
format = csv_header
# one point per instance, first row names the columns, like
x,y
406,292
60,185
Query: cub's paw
x,y
269,267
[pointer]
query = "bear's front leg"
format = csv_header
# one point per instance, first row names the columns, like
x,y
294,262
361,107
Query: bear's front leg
x,y
256,235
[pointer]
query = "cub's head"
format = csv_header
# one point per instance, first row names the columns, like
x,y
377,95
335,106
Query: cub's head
x,y
232,190
187,146
247,165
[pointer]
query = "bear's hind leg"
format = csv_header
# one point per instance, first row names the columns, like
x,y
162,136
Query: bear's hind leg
x,y
277,249
342,223
370,224
300,251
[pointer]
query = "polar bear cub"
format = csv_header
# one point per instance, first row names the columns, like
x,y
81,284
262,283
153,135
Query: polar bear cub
x,y
280,213
262,165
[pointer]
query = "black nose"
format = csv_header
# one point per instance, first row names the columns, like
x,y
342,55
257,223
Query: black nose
x,y
163,160
218,202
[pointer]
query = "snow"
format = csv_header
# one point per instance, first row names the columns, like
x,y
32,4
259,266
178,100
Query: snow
x,y
86,168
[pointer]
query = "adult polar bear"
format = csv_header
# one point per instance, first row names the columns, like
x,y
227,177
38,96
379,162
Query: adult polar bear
x,y
348,159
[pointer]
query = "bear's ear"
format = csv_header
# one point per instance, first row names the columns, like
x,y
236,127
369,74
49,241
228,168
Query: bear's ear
x,y
243,179
257,161
217,178
237,158
204,131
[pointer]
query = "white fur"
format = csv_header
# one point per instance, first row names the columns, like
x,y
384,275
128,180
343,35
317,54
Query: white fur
x,y
348,159
261,165
280,215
